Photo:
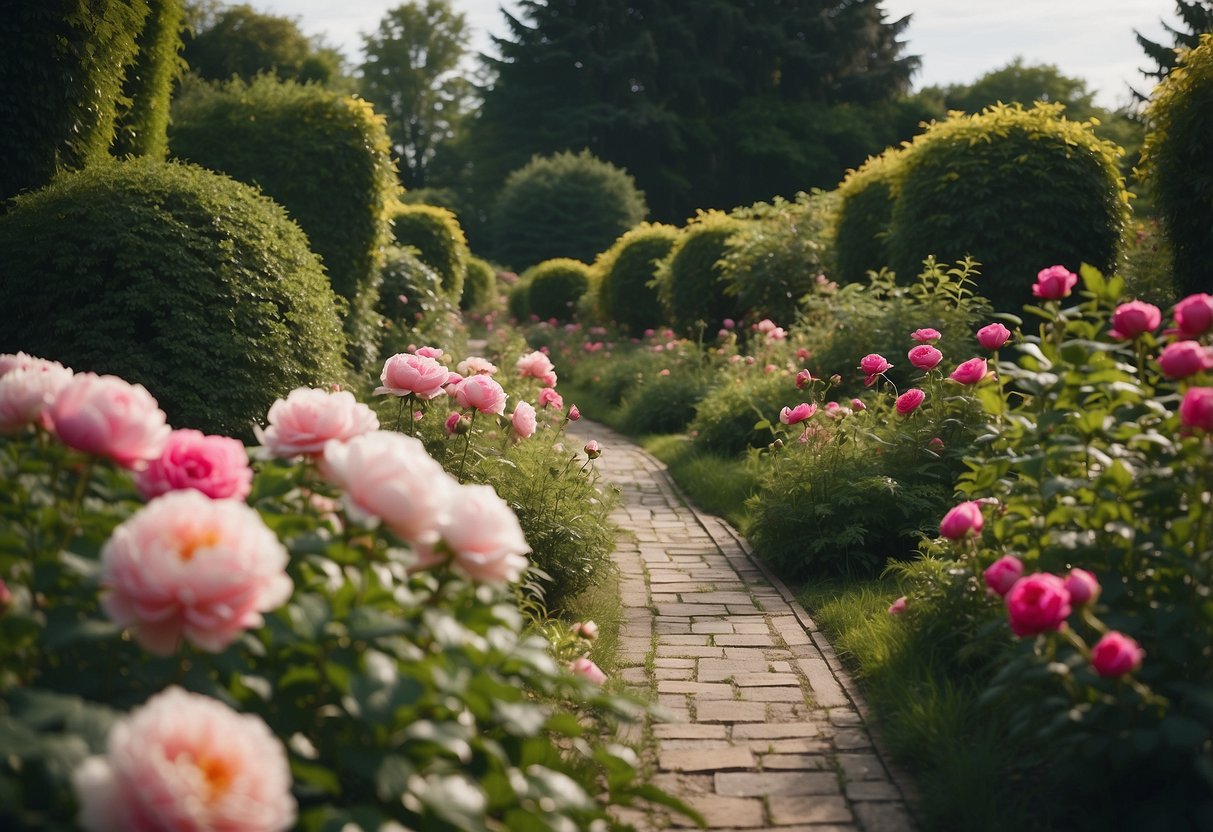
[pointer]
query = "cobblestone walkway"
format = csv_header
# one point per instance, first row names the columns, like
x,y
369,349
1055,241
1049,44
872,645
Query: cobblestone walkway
x,y
769,732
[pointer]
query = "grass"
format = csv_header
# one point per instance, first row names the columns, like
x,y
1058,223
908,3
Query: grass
x,y
717,484
601,604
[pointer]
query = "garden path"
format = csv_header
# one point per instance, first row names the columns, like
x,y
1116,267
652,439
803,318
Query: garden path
x,y
768,732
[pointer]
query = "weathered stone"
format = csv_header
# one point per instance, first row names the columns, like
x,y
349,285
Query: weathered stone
x,y
726,710
706,759
766,680
703,690
861,767
787,730
787,809
757,784
884,817
689,731
872,790
800,762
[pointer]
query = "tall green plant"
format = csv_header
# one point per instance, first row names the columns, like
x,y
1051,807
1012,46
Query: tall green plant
x,y
143,127
865,212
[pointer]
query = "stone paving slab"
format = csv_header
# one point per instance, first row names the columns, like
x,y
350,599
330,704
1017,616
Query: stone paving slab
x,y
768,732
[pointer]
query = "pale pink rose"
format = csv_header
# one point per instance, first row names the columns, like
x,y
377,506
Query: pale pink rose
x,y
574,413
898,606
962,520
523,420
480,536
592,449
925,357
1116,654
389,476
186,566
857,404
215,465
417,375
993,336
802,378
765,325
797,414
1002,574
873,365
1038,603
550,398
777,334
452,423
451,378
586,629
1083,587
909,401
481,393
17,361
26,391
1184,358
534,364
970,372
1195,411
475,365
1054,283
309,418
926,335
184,762
1134,318
1193,315
428,352
583,667
107,416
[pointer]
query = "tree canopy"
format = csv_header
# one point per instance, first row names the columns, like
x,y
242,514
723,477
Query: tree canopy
x,y
1196,16
243,42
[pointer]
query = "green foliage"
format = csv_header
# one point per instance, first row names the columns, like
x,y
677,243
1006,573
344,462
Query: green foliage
x,y
61,84
321,155
625,272
1196,18
518,301
735,414
554,288
241,42
143,127
479,286
1018,190
1147,264
1178,158
413,307
174,277
439,240
566,205
865,212
690,280
1017,83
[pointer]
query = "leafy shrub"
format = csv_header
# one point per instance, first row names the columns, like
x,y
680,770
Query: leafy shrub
x,y
479,286
866,198
518,301
1148,264
664,404
625,272
413,306
244,42
1011,188
143,126
439,241
1177,159
60,83
555,286
174,277
323,156
568,205
690,280
735,414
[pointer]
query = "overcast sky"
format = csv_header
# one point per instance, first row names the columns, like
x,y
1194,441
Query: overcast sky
x,y
958,40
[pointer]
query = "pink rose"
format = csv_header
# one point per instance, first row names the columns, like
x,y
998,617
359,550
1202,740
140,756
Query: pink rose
x,y
1194,314
534,364
1116,654
1083,587
727,323
909,401
428,352
765,325
215,465
926,335
1002,574
963,520
586,629
1038,603
1184,358
898,606
550,398
970,372
451,425
873,365
184,762
1134,318
27,390
803,378
993,336
481,393
480,536
1054,283
17,361
574,413
476,366
777,334
586,669
310,417
6,597
794,415
925,357
523,420
936,444
417,375
592,449
388,476
1195,411
857,404
186,566
107,416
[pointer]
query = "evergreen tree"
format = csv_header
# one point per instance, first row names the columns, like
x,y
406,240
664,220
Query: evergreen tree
x,y
1196,17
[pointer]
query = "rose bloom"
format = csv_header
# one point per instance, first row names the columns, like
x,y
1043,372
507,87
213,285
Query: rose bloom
x,y
909,401
17,361
898,606
1195,411
109,417
962,520
1083,587
1038,603
389,476
803,378
1194,314
428,352
936,444
186,566
585,668
586,629
184,762
523,420
926,335
873,364
574,413
6,597
452,422
797,414
534,364
474,365
857,404
481,393
1116,654
480,536
1184,358
592,449
993,336
413,375
215,465
970,372
550,398
27,390
1134,318
1002,574
310,417
1054,283
925,357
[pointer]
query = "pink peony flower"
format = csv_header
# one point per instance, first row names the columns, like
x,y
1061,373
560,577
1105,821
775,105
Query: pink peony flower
x,y
476,366
308,418
797,414
586,629
184,762
481,393
1002,574
873,365
898,606
1116,654
574,413
1083,587
27,390
585,668
1054,283
107,416
857,404
963,520
970,372
1194,314
523,420
909,401
1038,603
803,378
550,398
1184,358
777,334
186,566
1134,318
1195,411
925,357
926,335
592,449
215,465
480,536
728,323
17,361
534,364
451,425
993,336
428,352
413,375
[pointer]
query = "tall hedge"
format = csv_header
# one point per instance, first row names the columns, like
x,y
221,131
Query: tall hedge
x,y
690,282
143,123
1017,189
61,70
479,286
554,288
865,213
323,156
175,277
625,273
1178,158
436,234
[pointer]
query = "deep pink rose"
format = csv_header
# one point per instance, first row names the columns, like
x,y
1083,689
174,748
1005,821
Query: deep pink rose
x,y
186,566
993,336
962,520
926,335
586,669
310,417
803,378
874,364
1134,318
970,372
1194,314
550,398
215,465
1054,283
1038,603
6,597
898,606
480,536
481,393
406,374
27,391
1116,654
1002,574
1195,411
909,401
794,415
107,416
523,420
1184,358
857,404
925,357
1083,587
574,413
451,425
184,762
936,444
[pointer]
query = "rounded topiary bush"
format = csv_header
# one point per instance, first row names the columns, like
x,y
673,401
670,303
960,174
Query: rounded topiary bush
x,y
439,240
183,280
690,281
1178,158
554,288
726,417
625,274
568,205
479,285
1017,190
866,198
518,301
